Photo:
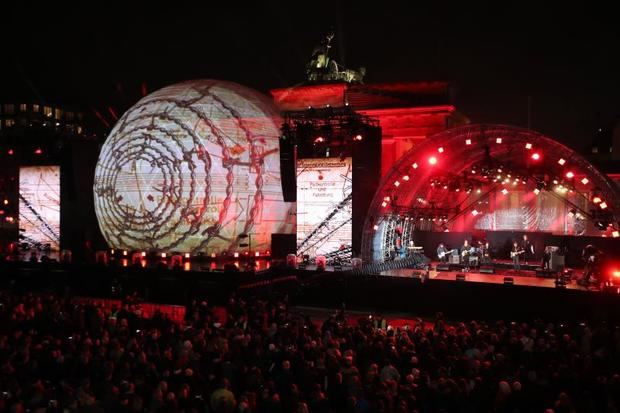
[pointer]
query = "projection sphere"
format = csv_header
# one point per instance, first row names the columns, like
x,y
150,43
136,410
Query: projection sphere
x,y
190,168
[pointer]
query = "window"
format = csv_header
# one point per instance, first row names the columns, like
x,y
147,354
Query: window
x,y
57,113
23,107
9,123
9,108
35,108
47,111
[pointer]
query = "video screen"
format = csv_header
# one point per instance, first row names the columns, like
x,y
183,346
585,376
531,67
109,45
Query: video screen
x,y
324,206
39,207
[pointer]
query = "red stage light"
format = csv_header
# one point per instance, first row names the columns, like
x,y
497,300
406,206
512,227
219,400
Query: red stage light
x,y
440,149
504,191
615,234
406,178
432,160
467,141
414,166
585,181
396,184
474,212
570,175
384,204
536,156
498,140
38,151
597,200
528,146
615,274
10,152
358,137
603,205
561,161
319,139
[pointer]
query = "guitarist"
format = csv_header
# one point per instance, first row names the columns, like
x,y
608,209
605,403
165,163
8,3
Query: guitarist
x,y
442,253
515,254
465,252
528,249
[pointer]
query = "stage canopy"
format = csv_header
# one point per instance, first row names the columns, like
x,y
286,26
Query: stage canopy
x,y
490,178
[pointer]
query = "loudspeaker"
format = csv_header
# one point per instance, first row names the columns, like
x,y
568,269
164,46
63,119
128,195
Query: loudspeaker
x,y
288,175
460,277
509,281
443,267
282,245
487,269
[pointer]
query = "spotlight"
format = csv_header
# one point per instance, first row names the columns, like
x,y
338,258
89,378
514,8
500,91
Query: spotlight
x,y
498,140
236,255
143,254
603,205
570,175
358,137
375,227
38,151
213,255
528,146
561,161
383,204
10,152
601,225
396,184
124,253
504,191
597,200
414,166
536,156
319,139
432,160
615,234
440,149
537,191
585,181
474,212
257,254
467,141
478,190
163,255
187,255
406,178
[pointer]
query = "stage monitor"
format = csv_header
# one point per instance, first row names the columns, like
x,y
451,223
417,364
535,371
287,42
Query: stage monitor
x,y
39,207
324,206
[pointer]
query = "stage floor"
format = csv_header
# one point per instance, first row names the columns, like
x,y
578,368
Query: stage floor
x,y
522,278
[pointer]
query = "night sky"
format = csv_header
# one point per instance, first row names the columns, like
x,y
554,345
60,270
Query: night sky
x,y
98,55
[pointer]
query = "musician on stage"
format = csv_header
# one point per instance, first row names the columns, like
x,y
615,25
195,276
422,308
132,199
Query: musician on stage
x,y
592,257
485,253
528,249
465,251
515,253
546,259
442,253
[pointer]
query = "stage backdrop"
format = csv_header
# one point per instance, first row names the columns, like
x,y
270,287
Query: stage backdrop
x,y
39,207
192,167
324,205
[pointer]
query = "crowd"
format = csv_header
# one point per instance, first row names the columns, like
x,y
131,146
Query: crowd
x,y
56,355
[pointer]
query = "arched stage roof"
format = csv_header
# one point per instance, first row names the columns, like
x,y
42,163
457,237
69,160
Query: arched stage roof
x,y
446,174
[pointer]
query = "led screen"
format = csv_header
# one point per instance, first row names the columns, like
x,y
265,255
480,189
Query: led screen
x,y
193,167
324,206
39,207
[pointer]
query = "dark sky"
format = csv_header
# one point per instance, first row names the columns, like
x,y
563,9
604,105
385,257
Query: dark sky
x,y
97,54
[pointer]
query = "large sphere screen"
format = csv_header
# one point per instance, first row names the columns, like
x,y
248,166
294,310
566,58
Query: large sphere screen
x,y
193,167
